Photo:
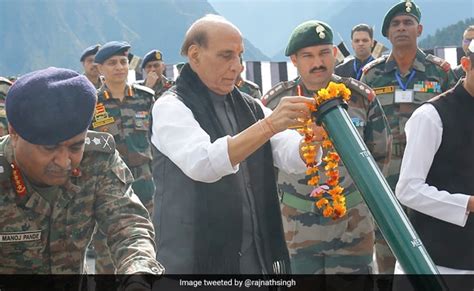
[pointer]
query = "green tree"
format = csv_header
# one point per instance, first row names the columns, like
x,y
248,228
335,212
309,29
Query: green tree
x,y
447,36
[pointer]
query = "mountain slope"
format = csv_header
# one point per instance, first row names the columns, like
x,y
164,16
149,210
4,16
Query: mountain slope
x,y
42,33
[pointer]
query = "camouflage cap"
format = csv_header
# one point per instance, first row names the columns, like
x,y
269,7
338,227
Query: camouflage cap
x,y
309,33
49,106
90,51
110,49
154,55
406,7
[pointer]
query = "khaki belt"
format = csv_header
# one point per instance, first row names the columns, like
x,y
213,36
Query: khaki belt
x,y
306,205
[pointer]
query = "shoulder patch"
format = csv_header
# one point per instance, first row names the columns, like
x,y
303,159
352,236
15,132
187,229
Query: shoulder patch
x,y
99,142
278,88
359,87
143,88
439,62
374,63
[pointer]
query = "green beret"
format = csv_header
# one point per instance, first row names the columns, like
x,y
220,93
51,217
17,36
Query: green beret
x,y
308,33
405,7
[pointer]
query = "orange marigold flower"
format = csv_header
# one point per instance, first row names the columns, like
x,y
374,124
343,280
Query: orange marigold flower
x,y
332,181
322,202
339,199
330,165
332,173
327,143
311,170
337,190
334,156
313,181
328,211
339,210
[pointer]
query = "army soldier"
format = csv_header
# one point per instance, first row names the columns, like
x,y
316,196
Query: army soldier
x,y
90,67
4,86
247,86
153,66
362,40
467,36
403,80
58,181
320,245
123,111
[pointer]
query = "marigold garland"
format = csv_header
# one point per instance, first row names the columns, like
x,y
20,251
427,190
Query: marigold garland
x,y
331,201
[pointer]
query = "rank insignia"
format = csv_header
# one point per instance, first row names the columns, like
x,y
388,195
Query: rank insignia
x,y
101,117
17,180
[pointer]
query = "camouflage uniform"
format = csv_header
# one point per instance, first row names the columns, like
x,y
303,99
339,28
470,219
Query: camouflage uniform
x,y
433,76
320,245
129,123
249,88
160,87
4,86
48,229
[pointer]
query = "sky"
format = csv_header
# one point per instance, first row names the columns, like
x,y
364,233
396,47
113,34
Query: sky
x,y
279,17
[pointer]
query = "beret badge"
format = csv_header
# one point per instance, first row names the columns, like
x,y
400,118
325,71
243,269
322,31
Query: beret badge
x,y
320,31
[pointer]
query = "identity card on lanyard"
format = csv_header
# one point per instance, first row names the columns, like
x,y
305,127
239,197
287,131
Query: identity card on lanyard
x,y
403,95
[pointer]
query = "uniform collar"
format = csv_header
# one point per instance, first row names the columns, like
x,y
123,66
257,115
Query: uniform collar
x,y
418,64
105,94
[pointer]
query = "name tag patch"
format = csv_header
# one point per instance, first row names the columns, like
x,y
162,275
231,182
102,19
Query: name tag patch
x,y
402,96
7,237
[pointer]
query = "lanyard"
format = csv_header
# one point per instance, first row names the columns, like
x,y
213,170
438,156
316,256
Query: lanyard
x,y
358,72
399,79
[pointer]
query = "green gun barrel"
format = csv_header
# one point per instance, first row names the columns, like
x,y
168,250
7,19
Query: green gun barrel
x,y
387,212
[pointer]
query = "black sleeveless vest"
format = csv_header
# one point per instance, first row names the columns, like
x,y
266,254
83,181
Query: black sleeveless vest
x,y
452,170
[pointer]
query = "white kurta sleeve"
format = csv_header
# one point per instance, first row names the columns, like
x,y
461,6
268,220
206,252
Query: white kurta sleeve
x,y
177,135
424,134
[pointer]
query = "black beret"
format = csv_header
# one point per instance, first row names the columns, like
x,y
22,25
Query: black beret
x,y
110,49
49,106
405,7
90,51
309,33
154,55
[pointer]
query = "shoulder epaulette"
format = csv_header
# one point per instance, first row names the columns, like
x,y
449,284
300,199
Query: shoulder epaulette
x,y
439,62
252,85
140,82
143,88
346,60
5,80
169,83
374,63
277,89
99,142
359,87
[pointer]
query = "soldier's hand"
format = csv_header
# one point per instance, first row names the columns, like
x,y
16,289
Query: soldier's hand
x,y
292,111
151,79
